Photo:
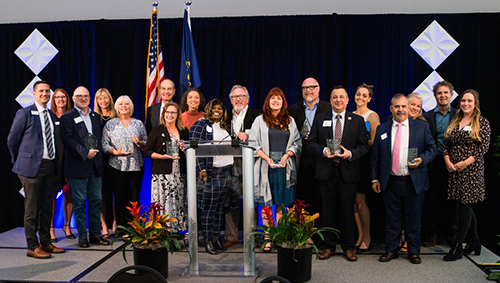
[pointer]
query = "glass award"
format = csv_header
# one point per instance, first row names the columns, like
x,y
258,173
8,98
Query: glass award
x,y
412,154
91,141
276,157
334,146
171,148
304,132
127,144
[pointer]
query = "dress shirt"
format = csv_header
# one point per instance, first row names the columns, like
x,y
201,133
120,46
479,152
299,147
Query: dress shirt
x,y
220,134
403,153
442,122
161,110
86,119
41,114
238,120
310,113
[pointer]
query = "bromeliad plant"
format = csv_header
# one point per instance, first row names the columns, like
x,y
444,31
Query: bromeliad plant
x,y
293,230
148,229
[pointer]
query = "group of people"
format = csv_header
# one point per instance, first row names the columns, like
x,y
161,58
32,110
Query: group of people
x,y
425,164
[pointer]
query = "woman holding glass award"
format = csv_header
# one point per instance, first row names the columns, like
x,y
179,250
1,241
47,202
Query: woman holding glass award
x,y
214,173
123,138
363,96
275,172
169,165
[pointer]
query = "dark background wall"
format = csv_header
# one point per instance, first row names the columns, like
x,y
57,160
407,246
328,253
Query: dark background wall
x,y
261,53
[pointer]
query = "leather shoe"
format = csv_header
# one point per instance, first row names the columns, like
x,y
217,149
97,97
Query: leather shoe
x,y
350,255
218,246
228,243
99,241
414,258
38,253
51,249
326,254
433,240
386,257
209,248
83,243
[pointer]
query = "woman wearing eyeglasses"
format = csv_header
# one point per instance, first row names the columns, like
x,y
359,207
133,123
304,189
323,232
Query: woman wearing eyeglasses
x,y
169,165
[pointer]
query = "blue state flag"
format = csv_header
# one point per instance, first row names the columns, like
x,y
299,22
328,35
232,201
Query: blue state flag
x,y
190,75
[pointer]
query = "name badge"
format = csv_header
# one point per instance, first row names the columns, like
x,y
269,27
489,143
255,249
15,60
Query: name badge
x,y
78,119
209,129
119,126
57,123
34,112
383,136
327,123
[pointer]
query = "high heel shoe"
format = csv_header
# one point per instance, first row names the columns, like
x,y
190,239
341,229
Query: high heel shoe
x,y
473,246
455,253
364,250
70,235
53,240
209,247
268,248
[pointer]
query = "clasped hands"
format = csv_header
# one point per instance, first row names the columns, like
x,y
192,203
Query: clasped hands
x,y
344,155
459,166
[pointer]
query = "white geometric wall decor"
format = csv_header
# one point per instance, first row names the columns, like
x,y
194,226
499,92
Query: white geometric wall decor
x,y
36,51
434,45
425,90
26,98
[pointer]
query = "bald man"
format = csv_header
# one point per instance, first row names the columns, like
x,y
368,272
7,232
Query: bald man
x,y
83,165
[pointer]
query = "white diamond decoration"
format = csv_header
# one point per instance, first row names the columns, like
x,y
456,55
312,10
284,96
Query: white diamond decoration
x,y
36,51
425,90
26,98
434,45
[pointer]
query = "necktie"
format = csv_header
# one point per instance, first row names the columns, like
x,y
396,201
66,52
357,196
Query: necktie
x,y
48,134
396,149
338,136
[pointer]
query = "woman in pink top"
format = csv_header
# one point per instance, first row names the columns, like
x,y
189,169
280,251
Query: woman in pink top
x,y
192,105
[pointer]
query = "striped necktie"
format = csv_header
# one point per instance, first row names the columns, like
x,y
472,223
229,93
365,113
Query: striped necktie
x,y
48,134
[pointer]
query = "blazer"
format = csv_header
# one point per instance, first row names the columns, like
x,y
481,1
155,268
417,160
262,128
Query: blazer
x,y
156,143
250,116
199,132
298,112
381,156
152,117
431,119
354,138
76,164
25,142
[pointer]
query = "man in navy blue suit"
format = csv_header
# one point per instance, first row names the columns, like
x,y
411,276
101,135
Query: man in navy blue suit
x,y
84,166
402,182
338,173
33,147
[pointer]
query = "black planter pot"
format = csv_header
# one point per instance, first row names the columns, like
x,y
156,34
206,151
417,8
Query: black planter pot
x,y
156,259
295,265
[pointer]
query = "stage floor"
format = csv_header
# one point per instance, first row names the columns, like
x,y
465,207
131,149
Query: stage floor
x,y
98,264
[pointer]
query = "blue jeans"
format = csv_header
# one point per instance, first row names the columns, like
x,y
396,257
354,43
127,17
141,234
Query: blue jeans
x,y
87,189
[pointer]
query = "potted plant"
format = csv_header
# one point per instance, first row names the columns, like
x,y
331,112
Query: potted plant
x,y
150,237
291,235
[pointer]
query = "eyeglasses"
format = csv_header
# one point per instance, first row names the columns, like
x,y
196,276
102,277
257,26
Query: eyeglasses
x,y
81,96
171,113
309,87
234,97
60,97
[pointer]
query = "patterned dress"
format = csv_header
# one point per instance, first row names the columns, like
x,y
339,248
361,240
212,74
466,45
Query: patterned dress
x,y
169,191
467,186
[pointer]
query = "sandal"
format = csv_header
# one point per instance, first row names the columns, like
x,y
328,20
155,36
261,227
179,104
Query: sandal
x,y
268,248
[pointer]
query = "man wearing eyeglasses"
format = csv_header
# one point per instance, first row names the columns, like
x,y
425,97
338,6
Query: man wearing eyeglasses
x,y
167,91
241,117
83,165
304,112
34,147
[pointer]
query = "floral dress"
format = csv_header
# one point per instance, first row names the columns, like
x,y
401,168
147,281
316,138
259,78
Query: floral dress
x,y
467,186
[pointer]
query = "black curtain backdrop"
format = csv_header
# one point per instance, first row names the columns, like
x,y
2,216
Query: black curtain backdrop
x,y
261,53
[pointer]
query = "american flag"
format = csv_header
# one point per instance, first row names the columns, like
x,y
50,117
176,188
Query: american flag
x,y
155,61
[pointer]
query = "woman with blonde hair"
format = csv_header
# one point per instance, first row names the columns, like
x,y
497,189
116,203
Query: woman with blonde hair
x,y
466,140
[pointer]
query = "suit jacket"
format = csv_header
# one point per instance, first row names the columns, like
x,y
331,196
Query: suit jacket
x,y
199,132
298,112
76,164
250,116
354,138
152,117
25,142
156,143
431,119
381,155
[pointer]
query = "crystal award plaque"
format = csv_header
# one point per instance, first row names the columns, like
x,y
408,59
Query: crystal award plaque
x,y
171,148
91,141
412,154
334,146
127,144
304,132
276,157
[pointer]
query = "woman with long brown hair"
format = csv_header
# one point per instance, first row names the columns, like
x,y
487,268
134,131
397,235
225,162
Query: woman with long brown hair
x,y
466,140
275,171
